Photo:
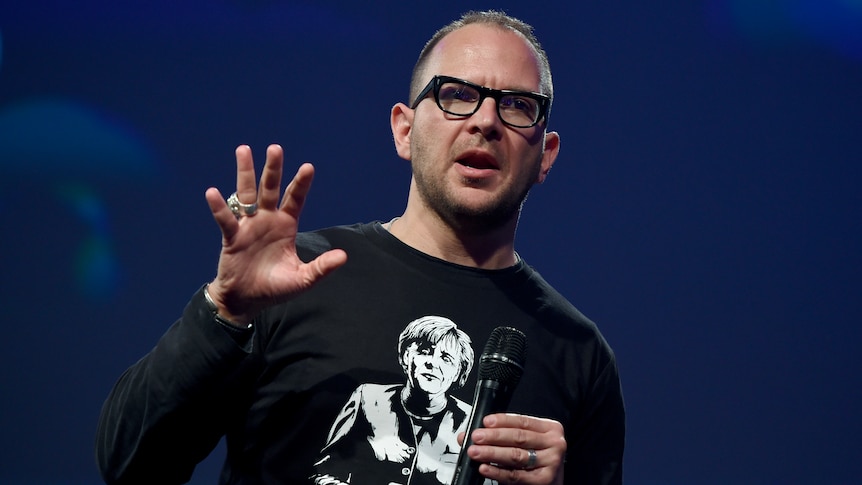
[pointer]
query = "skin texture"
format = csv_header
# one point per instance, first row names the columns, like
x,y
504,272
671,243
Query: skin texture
x,y
471,175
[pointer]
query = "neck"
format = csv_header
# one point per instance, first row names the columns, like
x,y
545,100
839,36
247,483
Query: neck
x,y
483,248
421,405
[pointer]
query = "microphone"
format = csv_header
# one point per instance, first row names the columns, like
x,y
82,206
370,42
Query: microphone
x,y
500,369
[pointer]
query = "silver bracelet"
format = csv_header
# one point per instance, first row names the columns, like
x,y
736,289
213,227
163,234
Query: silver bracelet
x,y
211,304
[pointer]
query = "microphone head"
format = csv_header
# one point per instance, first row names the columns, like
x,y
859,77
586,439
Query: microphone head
x,y
504,356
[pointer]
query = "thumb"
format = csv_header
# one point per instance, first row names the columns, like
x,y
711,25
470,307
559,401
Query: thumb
x,y
326,263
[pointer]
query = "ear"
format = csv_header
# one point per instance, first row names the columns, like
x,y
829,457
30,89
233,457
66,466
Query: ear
x,y
549,155
401,122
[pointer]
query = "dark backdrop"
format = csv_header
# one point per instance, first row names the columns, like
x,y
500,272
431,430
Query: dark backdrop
x,y
705,208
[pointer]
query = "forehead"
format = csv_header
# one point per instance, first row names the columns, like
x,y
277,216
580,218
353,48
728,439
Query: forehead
x,y
446,344
486,54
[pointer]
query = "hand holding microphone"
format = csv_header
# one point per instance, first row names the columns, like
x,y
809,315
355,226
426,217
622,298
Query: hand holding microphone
x,y
515,448
500,369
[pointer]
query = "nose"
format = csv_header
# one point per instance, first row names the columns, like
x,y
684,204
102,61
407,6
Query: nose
x,y
485,119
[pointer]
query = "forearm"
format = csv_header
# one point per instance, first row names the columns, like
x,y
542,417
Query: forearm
x,y
169,410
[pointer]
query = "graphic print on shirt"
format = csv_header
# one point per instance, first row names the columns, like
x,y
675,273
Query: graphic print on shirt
x,y
404,433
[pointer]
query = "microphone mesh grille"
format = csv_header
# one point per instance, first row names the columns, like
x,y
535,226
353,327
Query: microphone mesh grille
x,y
504,356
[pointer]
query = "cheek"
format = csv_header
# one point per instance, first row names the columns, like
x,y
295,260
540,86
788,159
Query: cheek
x,y
532,170
433,135
450,372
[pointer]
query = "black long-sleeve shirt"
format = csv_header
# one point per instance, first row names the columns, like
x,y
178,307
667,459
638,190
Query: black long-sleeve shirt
x,y
277,391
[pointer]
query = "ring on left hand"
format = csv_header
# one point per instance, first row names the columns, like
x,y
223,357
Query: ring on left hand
x,y
531,460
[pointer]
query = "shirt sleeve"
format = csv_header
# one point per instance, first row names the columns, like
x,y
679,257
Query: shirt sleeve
x,y
168,411
595,453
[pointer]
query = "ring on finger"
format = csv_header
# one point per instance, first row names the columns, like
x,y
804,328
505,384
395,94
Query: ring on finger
x,y
239,209
531,459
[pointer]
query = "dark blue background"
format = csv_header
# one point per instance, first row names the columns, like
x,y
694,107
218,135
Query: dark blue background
x,y
704,210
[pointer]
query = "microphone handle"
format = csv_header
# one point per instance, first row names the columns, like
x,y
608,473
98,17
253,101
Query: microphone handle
x,y
491,397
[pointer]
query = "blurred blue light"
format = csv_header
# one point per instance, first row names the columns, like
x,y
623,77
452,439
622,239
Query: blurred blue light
x,y
62,139
96,267
835,24
97,271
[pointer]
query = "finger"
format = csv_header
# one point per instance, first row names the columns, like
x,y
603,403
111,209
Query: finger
x,y
246,190
222,214
512,457
514,475
326,263
521,433
525,433
297,190
505,433
520,421
270,179
311,273
520,430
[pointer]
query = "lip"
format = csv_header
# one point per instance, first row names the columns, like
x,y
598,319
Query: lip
x,y
430,377
477,163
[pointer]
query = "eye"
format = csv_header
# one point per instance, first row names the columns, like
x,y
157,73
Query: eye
x,y
458,92
522,104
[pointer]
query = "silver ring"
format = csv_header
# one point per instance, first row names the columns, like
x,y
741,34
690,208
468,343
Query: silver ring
x,y
239,209
531,461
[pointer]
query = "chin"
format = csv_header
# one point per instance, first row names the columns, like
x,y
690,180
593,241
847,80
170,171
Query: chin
x,y
486,216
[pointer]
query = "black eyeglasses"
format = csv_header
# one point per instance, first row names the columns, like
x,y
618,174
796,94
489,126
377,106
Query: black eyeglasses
x,y
521,109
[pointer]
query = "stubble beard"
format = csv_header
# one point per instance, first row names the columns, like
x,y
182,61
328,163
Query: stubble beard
x,y
438,196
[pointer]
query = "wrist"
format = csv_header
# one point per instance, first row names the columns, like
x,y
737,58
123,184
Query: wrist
x,y
221,315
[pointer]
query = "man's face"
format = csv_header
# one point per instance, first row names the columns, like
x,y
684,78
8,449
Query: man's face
x,y
477,168
432,367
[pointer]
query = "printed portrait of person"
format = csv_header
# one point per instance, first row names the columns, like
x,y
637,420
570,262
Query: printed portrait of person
x,y
406,432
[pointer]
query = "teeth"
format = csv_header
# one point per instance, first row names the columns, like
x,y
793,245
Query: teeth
x,y
478,164
470,164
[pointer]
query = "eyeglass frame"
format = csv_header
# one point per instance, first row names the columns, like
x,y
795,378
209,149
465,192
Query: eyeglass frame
x,y
437,81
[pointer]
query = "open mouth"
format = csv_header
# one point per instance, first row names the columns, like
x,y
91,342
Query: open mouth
x,y
481,161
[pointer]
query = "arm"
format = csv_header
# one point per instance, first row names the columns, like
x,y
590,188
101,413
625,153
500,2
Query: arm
x,y
597,437
169,410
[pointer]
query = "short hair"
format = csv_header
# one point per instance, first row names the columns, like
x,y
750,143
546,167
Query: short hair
x,y
434,329
494,18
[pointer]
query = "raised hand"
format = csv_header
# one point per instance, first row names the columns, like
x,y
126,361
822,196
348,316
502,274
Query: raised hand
x,y
258,265
520,449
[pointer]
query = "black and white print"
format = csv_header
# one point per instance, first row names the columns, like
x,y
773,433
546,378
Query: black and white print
x,y
404,433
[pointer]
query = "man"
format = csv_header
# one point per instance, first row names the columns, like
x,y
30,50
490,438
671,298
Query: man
x,y
415,425
294,323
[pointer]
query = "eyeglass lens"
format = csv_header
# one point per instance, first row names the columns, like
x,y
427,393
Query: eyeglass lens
x,y
463,100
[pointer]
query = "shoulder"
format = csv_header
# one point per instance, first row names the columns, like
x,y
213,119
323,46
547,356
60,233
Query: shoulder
x,y
312,243
377,392
560,321
370,396
549,304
